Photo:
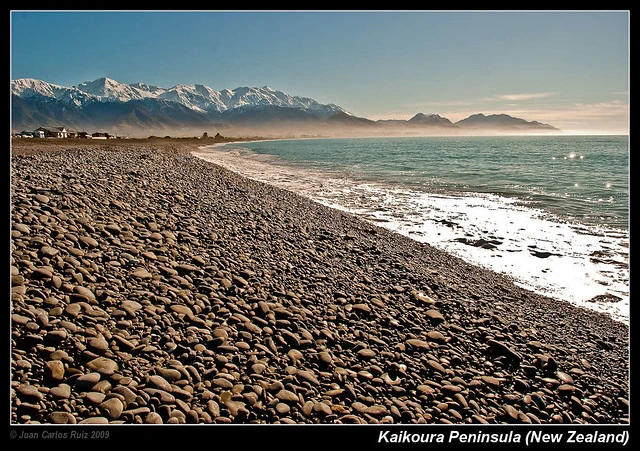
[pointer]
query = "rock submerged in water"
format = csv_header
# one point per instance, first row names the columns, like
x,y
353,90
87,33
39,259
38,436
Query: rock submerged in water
x,y
604,298
248,304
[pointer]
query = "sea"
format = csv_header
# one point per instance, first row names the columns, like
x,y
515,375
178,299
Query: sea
x,y
550,212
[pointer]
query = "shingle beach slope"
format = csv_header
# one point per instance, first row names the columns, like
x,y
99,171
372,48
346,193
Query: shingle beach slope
x,y
149,286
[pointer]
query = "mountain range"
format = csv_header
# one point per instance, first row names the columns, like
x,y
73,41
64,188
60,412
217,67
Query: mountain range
x,y
142,109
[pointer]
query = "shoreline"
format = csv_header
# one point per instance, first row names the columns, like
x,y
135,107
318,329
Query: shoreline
x,y
523,271
188,288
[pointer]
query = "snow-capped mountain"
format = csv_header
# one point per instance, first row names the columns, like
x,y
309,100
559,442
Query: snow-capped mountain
x,y
109,90
244,97
197,97
108,103
184,108
27,88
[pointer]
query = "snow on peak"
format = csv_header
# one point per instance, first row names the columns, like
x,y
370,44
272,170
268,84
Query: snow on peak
x,y
26,87
194,96
197,97
426,115
152,91
107,90
30,88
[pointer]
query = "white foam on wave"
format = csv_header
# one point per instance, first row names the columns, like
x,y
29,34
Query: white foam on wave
x,y
565,261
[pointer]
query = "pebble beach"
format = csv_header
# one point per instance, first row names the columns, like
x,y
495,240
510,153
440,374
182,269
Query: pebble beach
x,y
149,286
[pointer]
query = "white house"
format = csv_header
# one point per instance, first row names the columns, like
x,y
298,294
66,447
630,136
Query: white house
x,y
53,132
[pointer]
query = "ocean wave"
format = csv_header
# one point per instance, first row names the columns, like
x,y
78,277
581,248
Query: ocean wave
x,y
576,262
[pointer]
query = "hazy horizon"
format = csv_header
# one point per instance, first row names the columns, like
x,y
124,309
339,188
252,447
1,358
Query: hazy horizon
x,y
293,132
568,69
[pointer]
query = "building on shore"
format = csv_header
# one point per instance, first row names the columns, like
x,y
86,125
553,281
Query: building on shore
x,y
101,135
25,134
61,132
53,132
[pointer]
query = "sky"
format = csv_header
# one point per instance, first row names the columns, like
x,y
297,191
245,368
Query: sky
x,y
569,69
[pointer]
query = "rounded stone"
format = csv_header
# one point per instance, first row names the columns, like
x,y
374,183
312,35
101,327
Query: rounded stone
x,y
30,391
99,344
511,411
94,420
366,353
451,388
73,310
96,397
85,292
103,365
42,273
55,370
142,273
88,241
564,377
222,383
42,198
287,396
325,357
221,333
364,308
131,307
49,251
61,391
492,381
322,409
113,407
161,383
435,316
376,410
436,336
307,376
88,380
62,418
23,228
181,309
153,418
436,366
418,344
170,374
294,355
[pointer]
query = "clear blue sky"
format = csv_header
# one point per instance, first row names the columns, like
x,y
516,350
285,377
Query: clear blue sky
x,y
570,69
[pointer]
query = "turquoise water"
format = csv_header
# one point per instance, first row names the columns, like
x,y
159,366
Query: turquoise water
x,y
552,212
581,178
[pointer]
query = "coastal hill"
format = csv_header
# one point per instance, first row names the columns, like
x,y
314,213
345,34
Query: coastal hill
x,y
186,109
430,119
503,121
